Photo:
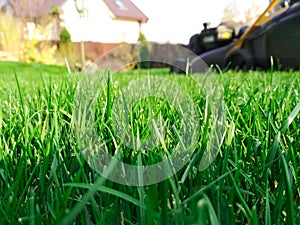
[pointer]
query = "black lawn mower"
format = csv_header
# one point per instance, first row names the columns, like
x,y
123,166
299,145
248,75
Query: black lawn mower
x,y
273,41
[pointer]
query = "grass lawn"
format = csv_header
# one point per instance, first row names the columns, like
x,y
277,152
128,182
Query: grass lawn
x,y
44,178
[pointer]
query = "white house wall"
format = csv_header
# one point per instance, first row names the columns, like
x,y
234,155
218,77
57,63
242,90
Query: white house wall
x,y
98,26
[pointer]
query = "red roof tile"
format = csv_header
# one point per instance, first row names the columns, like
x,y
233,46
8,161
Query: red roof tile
x,y
126,10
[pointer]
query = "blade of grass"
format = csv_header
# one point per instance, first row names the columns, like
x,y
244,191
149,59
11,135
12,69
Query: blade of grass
x,y
110,191
289,193
211,212
200,191
290,118
268,220
244,203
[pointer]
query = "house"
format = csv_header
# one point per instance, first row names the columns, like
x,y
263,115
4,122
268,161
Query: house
x,y
106,21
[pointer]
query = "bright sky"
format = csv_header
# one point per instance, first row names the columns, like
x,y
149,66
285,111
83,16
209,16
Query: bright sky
x,y
176,21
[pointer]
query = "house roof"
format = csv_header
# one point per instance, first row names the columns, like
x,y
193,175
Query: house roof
x,y
34,8
125,10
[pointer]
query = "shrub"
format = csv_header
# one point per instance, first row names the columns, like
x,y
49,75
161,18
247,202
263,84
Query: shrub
x,y
38,51
144,52
66,47
65,36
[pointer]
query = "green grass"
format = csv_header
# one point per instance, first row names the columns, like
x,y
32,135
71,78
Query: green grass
x,y
44,179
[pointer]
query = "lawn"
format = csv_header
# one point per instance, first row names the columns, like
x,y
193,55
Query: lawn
x,y
45,178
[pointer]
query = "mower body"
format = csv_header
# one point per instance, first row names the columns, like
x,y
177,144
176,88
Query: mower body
x,y
274,43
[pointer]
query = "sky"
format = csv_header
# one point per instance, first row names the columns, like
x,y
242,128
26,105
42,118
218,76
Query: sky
x,y
176,21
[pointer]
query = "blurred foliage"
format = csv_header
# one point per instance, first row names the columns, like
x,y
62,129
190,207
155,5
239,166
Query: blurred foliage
x,y
30,45
38,51
144,52
65,36
66,48
10,33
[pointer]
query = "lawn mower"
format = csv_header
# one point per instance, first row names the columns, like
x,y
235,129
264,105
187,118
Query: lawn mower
x,y
272,41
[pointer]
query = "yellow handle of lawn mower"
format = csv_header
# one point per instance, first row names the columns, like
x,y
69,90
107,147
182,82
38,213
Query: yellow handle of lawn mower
x,y
240,42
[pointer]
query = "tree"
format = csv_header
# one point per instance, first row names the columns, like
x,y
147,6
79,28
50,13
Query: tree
x,y
252,13
238,13
231,12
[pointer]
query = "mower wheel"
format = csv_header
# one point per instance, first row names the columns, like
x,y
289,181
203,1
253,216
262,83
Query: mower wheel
x,y
239,59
